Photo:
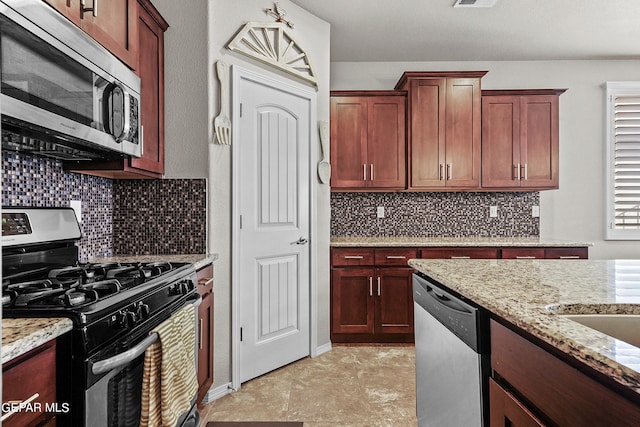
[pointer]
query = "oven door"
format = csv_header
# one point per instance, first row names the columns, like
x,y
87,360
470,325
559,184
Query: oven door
x,y
115,399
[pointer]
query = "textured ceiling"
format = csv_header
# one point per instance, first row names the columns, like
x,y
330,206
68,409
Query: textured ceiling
x,y
433,30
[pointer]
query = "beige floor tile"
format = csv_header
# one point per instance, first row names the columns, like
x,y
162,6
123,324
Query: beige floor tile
x,y
360,386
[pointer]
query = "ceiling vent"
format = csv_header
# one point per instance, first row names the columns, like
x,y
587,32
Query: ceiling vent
x,y
475,3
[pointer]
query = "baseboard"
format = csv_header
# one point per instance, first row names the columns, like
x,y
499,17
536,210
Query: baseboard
x,y
324,348
216,393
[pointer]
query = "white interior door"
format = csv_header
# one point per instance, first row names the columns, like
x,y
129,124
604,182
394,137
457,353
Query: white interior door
x,y
274,132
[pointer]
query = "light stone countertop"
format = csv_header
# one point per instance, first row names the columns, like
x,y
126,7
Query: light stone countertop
x,y
529,293
22,335
198,260
399,241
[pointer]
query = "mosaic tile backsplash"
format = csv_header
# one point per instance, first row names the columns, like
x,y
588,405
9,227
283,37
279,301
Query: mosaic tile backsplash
x,y
33,181
156,217
434,214
125,217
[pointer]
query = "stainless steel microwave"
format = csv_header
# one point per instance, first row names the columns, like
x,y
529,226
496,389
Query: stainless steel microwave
x,y
63,95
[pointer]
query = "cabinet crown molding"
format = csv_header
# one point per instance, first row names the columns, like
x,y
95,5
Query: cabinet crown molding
x,y
522,92
408,75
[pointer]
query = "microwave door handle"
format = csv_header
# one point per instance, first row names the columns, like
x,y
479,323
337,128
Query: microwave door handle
x,y
124,358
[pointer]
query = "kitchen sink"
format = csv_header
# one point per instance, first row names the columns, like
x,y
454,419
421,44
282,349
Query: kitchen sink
x,y
625,327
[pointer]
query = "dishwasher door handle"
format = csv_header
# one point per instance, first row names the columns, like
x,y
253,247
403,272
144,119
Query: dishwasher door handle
x,y
447,302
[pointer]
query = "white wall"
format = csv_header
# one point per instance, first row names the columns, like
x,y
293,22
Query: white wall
x,y
575,212
196,40
226,18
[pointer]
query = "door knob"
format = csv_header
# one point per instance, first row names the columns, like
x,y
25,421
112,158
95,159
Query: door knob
x,y
302,241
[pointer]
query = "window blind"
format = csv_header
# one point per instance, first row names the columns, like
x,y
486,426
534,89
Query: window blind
x,y
626,166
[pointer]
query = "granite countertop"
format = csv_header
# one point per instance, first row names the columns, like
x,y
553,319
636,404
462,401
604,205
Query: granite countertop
x,y
199,260
22,335
399,241
529,294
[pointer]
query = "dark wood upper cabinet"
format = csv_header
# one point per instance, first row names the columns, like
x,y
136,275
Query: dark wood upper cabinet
x,y
113,24
151,28
368,140
444,129
520,134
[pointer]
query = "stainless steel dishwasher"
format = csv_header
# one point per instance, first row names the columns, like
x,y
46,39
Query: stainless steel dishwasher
x,y
452,358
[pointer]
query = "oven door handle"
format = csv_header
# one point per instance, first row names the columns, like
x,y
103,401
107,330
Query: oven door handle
x,y
128,356
124,358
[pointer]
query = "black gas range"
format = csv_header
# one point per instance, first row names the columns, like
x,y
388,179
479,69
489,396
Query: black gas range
x,y
113,306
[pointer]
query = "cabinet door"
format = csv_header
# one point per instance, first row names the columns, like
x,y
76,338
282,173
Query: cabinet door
x,y
500,141
69,8
151,72
427,138
539,141
394,301
205,330
115,26
352,300
32,375
506,411
386,141
462,132
205,345
348,142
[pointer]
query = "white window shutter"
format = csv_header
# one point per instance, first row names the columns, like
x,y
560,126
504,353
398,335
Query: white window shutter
x,y
623,160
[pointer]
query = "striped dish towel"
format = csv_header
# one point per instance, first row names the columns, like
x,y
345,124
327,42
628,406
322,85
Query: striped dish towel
x,y
169,381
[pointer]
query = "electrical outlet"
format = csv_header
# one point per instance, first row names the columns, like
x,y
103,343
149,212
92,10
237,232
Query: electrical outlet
x,y
493,211
535,211
76,205
380,212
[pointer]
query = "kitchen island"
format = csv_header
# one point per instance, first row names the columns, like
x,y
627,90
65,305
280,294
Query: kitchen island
x,y
526,298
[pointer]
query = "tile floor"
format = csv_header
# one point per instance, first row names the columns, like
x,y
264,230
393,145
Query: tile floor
x,y
363,386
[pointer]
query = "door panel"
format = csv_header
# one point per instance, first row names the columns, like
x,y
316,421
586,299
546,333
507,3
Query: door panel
x,y
500,140
352,300
539,140
394,309
427,132
273,138
386,142
463,132
348,141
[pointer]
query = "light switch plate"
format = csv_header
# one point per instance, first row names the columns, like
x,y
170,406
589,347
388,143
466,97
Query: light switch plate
x,y
535,211
380,212
493,211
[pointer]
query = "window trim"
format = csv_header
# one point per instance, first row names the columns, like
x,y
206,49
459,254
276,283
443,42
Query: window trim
x,y
612,89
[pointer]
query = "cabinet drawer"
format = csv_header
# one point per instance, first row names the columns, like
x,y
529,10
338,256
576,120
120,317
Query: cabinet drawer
x,y
505,409
31,374
351,256
452,253
567,253
522,253
394,256
205,279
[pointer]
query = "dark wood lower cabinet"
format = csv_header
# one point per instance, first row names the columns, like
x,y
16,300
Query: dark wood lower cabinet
x,y
370,304
31,376
553,389
205,331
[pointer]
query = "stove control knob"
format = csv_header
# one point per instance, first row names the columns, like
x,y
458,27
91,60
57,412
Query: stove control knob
x,y
184,289
143,311
120,320
174,289
132,318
